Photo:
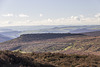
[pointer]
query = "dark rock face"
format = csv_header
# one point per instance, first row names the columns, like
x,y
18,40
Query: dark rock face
x,y
31,37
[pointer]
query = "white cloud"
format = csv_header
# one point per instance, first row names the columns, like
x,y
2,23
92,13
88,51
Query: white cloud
x,y
23,15
41,15
49,20
12,15
73,20
8,15
97,15
82,16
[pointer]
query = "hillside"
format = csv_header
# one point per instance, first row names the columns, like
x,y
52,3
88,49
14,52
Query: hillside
x,y
95,33
55,42
17,59
33,42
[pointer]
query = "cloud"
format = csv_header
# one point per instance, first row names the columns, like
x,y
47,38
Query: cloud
x,y
8,15
97,15
72,20
41,15
49,20
75,18
9,22
12,15
23,15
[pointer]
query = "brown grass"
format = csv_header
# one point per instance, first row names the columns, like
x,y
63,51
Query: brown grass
x,y
17,59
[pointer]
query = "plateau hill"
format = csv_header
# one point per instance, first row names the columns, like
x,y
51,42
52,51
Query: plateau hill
x,y
55,42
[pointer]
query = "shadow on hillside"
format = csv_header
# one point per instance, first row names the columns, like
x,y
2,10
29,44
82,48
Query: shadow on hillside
x,y
34,37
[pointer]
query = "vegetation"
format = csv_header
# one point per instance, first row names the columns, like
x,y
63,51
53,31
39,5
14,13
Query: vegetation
x,y
44,50
17,59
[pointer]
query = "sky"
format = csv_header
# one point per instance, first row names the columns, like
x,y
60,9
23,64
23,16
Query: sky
x,y
49,12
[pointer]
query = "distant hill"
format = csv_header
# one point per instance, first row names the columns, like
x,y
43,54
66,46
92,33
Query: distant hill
x,y
16,31
95,33
4,38
11,34
65,29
